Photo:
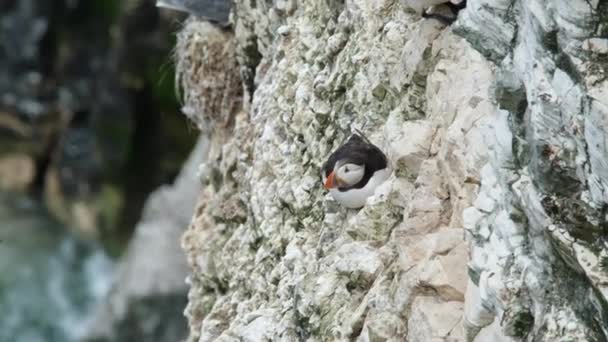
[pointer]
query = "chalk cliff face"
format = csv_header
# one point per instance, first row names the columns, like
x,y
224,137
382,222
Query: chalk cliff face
x,y
492,226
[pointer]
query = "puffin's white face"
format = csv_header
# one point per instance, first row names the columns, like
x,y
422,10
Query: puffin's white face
x,y
345,175
349,174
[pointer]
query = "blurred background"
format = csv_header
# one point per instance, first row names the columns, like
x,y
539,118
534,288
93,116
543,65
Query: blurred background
x,y
89,127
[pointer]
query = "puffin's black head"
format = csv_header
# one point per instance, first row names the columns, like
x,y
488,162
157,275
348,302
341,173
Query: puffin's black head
x,y
353,164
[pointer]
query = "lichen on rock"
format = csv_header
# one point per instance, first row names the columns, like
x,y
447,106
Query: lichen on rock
x,y
488,126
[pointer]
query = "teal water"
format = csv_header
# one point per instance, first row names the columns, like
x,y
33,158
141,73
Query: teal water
x,y
50,281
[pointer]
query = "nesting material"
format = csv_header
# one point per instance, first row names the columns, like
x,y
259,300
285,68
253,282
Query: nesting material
x,y
207,75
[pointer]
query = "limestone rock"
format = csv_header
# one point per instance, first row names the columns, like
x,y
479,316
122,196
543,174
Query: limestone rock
x,y
538,219
494,130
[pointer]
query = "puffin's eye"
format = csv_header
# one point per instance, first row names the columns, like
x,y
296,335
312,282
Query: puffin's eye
x,y
345,170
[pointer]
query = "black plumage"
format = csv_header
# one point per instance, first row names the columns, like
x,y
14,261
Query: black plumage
x,y
454,8
357,150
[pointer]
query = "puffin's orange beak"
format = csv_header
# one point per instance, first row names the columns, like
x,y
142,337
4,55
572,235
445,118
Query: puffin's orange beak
x,y
329,182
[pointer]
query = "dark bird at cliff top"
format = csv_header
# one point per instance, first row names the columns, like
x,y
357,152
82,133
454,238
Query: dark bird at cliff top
x,y
215,11
354,171
441,10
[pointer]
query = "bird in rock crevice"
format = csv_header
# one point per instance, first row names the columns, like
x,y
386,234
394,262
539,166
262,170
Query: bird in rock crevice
x,y
428,9
354,171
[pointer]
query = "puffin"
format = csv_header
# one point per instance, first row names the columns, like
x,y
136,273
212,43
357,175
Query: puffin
x,y
354,171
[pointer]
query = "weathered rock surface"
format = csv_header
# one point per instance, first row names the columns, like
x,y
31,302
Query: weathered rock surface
x,y
492,226
538,226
